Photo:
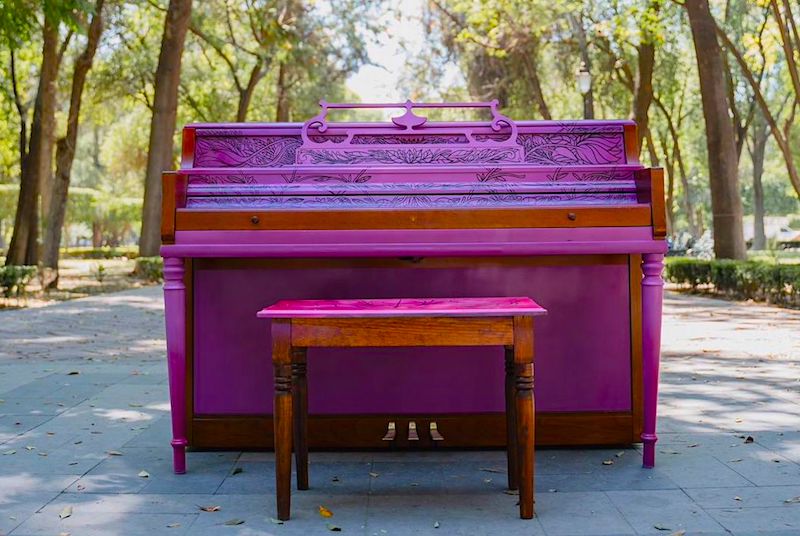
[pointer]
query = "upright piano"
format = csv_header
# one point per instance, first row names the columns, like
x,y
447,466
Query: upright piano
x,y
561,211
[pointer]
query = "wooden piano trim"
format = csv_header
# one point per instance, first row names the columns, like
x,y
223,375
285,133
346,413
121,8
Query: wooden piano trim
x,y
650,190
173,192
231,220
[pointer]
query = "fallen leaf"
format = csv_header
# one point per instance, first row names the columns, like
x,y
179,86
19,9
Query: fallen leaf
x,y
487,480
65,513
30,448
73,373
233,522
324,512
737,498
173,525
333,528
72,463
64,534
210,508
237,470
144,474
436,525
41,454
81,487
608,462
114,453
135,405
551,490
793,500
737,460
749,439
373,475
511,491
620,454
335,479
680,532
492,470
693,445
275,521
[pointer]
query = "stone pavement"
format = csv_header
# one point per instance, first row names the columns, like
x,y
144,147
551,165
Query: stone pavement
x,y
84,443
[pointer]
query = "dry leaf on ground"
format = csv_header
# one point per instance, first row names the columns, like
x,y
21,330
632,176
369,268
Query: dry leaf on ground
x,y
214,508
333,528
324,512
144,474
233,522
65,513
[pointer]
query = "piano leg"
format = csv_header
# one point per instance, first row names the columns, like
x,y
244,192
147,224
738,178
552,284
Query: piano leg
x,y
652,298
175,314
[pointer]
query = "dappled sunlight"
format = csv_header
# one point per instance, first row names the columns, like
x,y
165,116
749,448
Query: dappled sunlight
x,y
126,415
12,486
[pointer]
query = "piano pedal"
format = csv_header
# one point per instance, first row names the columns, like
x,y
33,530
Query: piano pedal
x,y
435,435
412,431
391,432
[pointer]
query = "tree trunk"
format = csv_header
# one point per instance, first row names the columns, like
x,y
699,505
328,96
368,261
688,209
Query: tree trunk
x,y
282,104
162,125
583,47
726,203
246,94
65,153
643,89
24,240
760,137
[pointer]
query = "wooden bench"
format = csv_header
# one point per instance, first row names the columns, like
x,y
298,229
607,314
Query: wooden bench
x,y
301,324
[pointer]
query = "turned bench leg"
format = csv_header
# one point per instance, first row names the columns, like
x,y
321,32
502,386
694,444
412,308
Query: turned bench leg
x,y
523,384
282,415
300,409
512,454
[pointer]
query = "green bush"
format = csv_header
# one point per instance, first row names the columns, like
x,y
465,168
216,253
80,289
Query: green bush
x,y
14,278
149,268
756,280
129,252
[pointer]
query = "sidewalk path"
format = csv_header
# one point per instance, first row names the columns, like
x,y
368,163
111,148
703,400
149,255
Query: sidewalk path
x,y
84,410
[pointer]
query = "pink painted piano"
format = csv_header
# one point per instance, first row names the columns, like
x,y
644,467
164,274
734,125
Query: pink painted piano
x,y
562,211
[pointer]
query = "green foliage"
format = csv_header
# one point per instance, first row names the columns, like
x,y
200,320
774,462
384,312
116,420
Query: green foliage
x,y
756,280
149,268
13,279
127,252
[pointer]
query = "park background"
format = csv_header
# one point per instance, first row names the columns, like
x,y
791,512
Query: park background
x,y
93,95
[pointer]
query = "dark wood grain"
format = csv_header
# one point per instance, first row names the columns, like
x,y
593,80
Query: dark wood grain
x,y
300,408
525,423
512,453
650,190
282,363
168,207
631,144
622,216
463,430
419,331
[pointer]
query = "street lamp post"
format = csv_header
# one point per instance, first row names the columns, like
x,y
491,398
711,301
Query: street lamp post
x,y
584,79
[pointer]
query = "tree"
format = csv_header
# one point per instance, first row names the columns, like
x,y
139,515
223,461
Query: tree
x,y
758,149
726,202
162,125
65,151
35,159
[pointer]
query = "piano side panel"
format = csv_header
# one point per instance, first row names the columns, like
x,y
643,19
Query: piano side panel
x,y
583,346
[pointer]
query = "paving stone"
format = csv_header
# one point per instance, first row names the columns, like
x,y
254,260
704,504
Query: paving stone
x,y
660,511
720,380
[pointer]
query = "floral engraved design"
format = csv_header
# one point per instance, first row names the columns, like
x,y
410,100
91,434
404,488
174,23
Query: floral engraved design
x,y
414,139
237,151
561,174
413,201
222,179
497,175
358,178
566,149
334,138
409,156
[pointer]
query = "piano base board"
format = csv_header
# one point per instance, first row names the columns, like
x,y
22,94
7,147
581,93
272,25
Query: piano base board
x,y
481,430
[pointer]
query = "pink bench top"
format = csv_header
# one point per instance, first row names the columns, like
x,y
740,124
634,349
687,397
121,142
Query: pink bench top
x,y
500,306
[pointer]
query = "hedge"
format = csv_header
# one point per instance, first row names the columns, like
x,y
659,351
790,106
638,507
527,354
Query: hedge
x,y
149,268
106,252
756,280
14,278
